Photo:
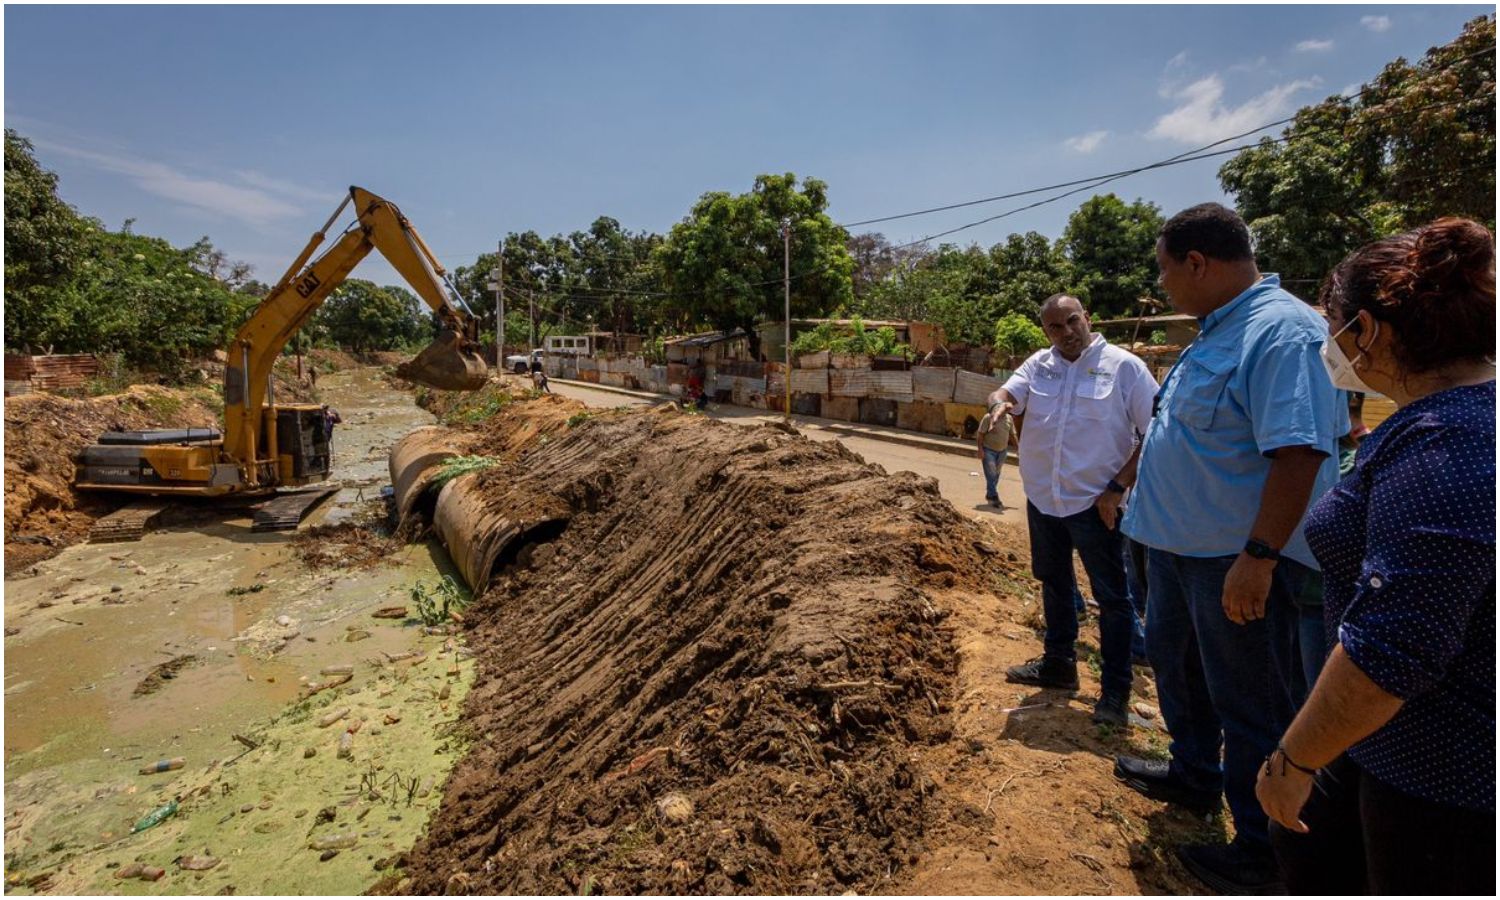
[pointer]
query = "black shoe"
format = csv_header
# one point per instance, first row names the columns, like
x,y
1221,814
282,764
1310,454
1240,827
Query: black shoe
x,y
1154,778
993,501
1047,672
1110,710
1238,867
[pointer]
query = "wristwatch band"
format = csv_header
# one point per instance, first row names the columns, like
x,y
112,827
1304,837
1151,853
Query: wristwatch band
x,y
1116,486
1261,550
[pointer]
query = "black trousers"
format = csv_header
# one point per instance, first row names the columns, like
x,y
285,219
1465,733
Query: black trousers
x,y
1365,837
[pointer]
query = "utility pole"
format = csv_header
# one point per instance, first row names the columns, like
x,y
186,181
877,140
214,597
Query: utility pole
x,y
786,283
499,286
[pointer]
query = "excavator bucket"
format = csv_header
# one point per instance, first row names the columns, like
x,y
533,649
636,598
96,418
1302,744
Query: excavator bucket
x,y
445,365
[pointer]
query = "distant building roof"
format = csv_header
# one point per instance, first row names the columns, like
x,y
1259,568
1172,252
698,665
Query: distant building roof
x,y
705,339
1172,319
868,323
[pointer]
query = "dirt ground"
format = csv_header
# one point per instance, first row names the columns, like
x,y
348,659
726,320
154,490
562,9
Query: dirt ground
x,y
752,663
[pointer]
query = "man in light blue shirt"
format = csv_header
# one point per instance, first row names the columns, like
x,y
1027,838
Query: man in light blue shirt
x,y
1244,437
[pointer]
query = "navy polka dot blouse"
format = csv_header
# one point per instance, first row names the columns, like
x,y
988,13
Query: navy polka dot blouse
x,y
1407,546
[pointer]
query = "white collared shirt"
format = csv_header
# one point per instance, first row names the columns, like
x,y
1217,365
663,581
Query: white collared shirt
x,y
1082,422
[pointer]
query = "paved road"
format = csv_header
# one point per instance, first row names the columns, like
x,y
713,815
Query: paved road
x,y
959,478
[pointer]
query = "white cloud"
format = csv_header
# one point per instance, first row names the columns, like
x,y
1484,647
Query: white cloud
x,y
251,205
1376,23
1172,74
1313,46
1086,143
287,189
1201,115
1351,90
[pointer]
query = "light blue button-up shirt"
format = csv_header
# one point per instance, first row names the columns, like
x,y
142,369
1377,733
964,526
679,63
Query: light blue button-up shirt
x,y
1250,384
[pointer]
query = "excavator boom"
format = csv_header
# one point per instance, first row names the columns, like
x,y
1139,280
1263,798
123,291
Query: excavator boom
x,y
266,445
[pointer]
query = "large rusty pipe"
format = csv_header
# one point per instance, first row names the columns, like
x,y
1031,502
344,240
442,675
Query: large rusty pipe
x,y
477,533
414,463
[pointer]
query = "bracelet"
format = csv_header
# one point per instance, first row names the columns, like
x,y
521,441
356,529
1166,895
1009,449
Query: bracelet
x,y
1288,761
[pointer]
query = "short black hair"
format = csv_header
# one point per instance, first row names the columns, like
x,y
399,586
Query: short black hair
x,y
1212,229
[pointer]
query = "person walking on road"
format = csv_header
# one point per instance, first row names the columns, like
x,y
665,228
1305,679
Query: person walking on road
x,y
1079,406
1245,435
993,437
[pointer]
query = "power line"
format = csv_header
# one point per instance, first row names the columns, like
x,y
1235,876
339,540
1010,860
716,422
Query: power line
x,y
1365,88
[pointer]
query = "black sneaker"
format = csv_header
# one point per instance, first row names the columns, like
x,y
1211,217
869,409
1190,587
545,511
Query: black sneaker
x,y
1238,867
1047,672
1154,778
1110,710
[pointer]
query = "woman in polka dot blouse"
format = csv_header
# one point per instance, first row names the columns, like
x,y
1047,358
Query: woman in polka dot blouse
x,y
1385,781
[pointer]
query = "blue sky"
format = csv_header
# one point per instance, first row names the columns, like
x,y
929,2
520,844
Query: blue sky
x,y
247,123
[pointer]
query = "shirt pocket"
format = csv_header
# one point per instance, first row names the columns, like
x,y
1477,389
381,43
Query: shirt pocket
x,y
1093,398
1200,387
1043,396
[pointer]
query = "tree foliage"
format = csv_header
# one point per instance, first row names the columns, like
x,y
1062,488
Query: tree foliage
x,y
1111,248
1417,144
361,316
1017,334
73,286
724,262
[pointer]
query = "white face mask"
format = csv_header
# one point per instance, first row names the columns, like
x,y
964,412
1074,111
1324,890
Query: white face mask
x,y
1340,367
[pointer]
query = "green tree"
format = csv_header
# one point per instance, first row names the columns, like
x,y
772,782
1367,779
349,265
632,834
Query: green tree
x,y
1418,144
45,243
724,262
1111,246
363,316
1032,269
1017,334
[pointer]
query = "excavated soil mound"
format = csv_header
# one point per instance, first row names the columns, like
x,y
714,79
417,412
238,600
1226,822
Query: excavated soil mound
x,y
43,435
715,678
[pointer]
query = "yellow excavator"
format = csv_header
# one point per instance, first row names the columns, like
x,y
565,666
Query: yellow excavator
x,y
265,445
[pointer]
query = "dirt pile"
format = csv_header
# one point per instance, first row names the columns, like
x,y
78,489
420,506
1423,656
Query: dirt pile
x,y
715,680
43,435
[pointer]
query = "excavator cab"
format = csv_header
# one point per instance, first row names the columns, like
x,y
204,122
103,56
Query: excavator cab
x,y
446,364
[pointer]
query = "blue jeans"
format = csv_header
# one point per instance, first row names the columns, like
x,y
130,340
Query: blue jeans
x,y
1312,639
1222,684
993,461
1053,540
1135,588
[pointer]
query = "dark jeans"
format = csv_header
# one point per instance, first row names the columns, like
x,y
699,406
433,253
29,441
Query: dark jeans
x,y
1053,540
1312,638
1135,588
1222,684
1365,837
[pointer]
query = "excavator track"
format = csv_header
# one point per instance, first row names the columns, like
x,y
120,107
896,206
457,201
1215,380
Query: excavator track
x,y
285,511
127,523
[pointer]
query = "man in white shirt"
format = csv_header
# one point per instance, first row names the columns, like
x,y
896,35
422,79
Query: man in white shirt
x,y
1079,407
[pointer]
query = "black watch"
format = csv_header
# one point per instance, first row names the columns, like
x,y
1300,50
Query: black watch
x,y
1261,550
1115,486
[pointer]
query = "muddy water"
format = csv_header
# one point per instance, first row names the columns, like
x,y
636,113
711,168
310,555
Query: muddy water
x,y
95,620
